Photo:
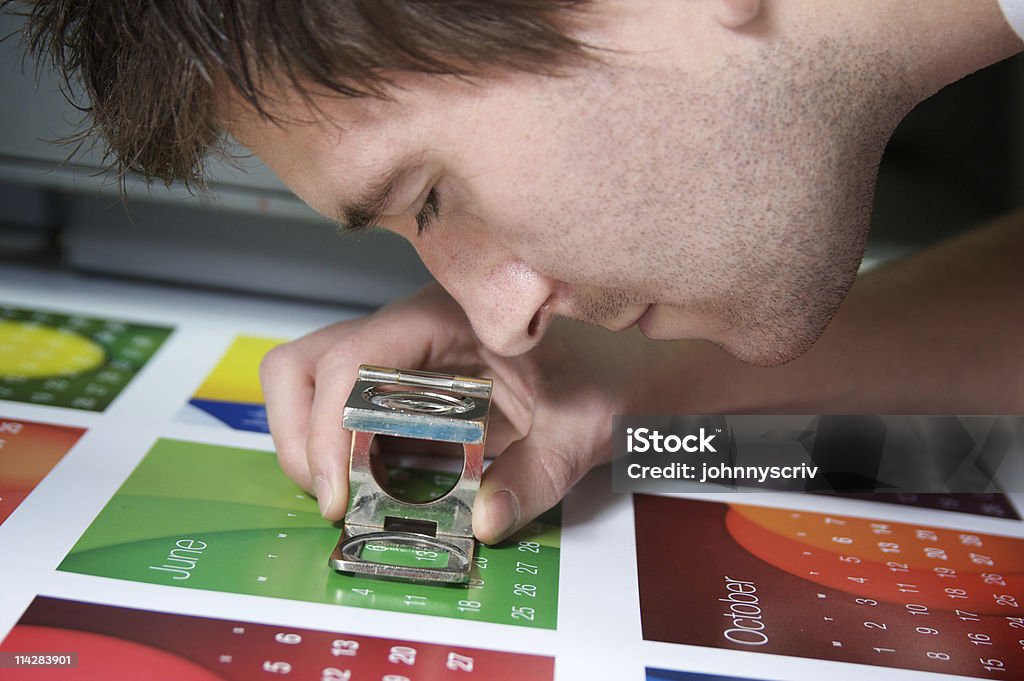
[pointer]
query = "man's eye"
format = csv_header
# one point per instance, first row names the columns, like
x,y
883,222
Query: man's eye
x,y
431,207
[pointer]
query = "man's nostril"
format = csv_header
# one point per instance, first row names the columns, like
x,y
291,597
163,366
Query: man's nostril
x,y
531,330
535,323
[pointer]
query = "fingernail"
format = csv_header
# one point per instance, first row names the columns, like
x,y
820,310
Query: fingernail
x,y
324,493
503,513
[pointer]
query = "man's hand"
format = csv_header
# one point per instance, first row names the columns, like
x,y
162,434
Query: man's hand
x,y
551,408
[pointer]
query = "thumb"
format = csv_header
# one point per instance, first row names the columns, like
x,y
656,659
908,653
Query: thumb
x,y
524,481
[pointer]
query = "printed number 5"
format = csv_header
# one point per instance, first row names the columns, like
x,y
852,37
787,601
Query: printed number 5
x,y
277,667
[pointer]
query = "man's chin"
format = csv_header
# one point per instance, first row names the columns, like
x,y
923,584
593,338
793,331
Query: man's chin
x,y
764,345
772,346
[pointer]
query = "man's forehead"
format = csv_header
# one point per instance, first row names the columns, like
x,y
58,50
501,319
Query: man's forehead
x,y
336,153
274,117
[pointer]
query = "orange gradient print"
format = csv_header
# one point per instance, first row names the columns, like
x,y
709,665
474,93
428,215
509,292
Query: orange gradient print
x,y
28,451
887,561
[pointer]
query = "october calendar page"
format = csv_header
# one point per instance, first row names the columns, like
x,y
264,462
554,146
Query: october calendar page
x,y
825,586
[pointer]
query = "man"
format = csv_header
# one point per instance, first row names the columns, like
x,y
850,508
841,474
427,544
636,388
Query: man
x,y
699,170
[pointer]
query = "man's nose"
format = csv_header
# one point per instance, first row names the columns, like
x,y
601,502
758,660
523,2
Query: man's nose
x,y
507,306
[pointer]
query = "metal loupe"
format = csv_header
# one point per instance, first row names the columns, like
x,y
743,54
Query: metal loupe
x,y
428,406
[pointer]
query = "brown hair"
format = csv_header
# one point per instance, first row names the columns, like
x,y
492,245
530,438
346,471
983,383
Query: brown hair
x,y
150,68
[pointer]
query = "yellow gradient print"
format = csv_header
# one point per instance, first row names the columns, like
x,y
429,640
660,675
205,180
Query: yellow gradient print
x,y
236,378
29,350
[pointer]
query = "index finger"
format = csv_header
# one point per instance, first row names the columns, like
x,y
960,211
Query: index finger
x,y
286,377
405,337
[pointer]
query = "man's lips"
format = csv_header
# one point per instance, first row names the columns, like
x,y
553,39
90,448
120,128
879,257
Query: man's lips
x,y
644,321
634,322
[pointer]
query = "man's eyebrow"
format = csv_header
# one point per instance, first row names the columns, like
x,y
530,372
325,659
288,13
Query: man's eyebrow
x,y
367,210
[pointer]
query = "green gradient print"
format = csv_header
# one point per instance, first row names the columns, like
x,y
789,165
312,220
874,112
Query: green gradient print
x,y
208,517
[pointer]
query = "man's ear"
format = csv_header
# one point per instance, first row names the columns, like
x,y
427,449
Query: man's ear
x,y
737,13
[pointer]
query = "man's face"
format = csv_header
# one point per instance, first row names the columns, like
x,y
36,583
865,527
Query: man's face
x,y
714,203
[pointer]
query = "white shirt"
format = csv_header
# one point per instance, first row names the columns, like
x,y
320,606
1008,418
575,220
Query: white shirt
x,y
1013,10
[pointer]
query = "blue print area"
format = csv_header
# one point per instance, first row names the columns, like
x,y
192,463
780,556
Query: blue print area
x,y
668,675
237,415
